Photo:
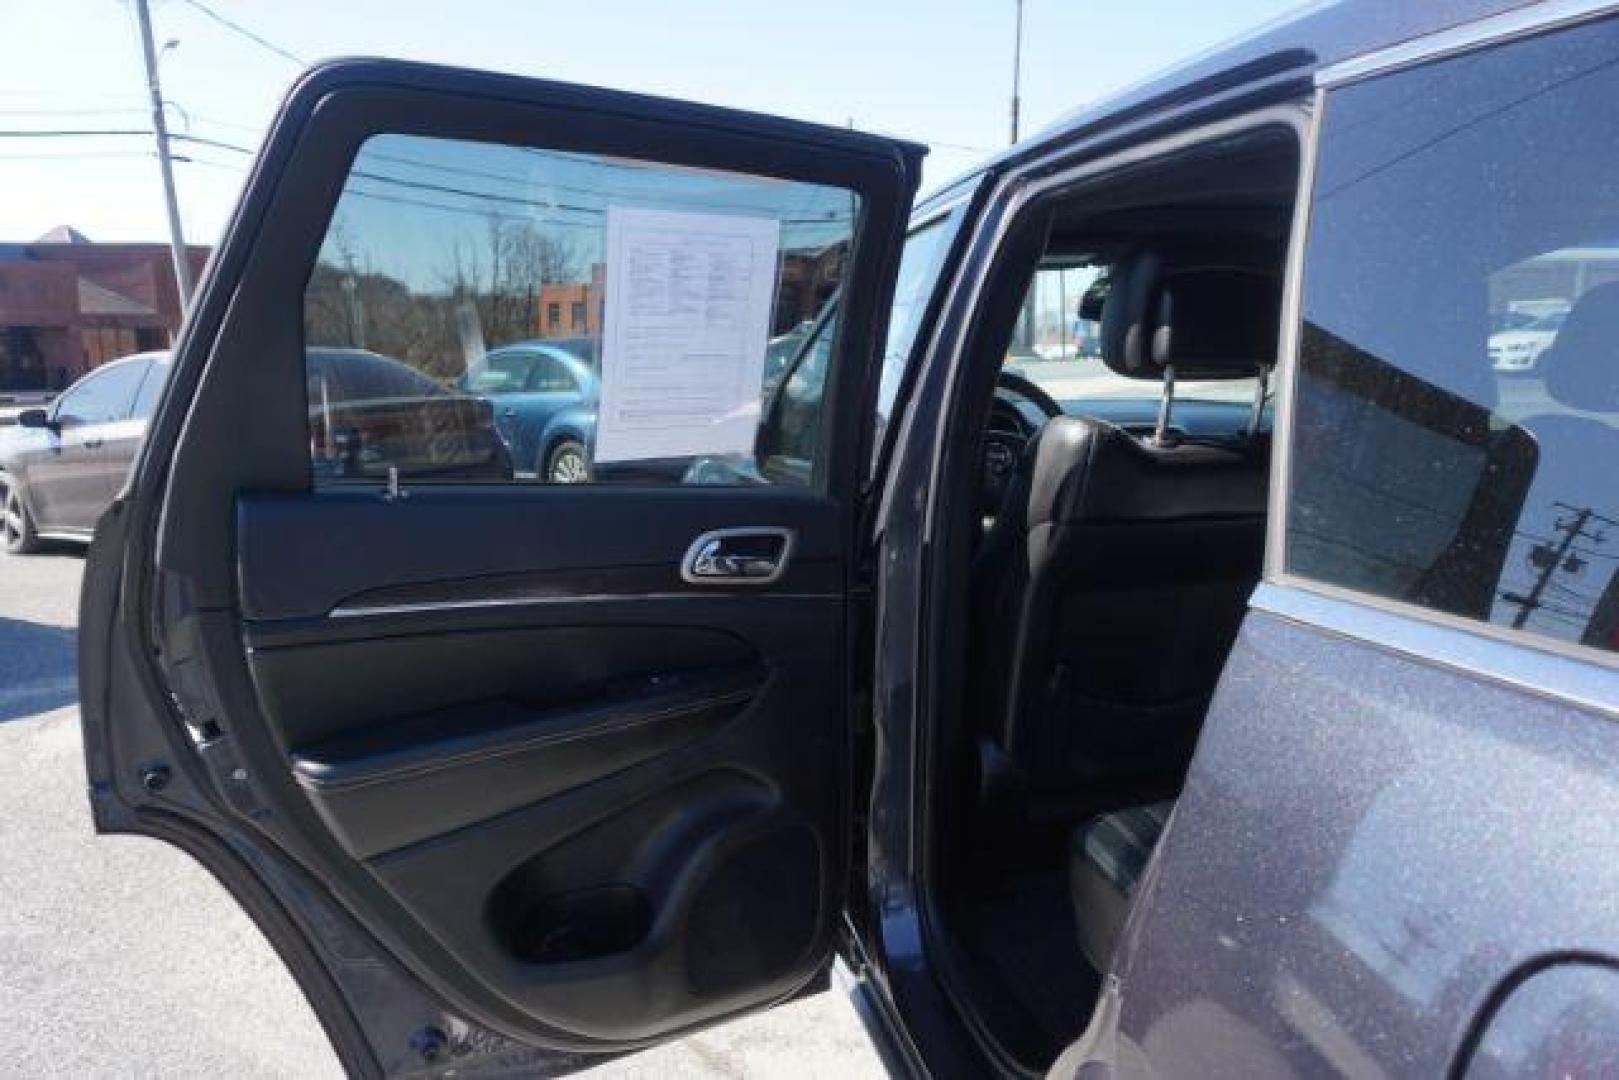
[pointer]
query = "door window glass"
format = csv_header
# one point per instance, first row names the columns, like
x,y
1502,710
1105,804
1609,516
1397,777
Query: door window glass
x,y
151,389
102,397
549,376
795,423
650,304
921,264
1457,394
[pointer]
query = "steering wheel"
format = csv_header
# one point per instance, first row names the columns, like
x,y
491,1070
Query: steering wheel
x,y
1007,434
1018,386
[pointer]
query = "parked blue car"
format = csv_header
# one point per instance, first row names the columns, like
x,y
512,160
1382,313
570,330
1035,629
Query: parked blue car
x,y
544,393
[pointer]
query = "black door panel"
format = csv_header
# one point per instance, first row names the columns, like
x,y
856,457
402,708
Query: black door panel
x,y
305,556
431,772
593,817
591,779
317,694
702,870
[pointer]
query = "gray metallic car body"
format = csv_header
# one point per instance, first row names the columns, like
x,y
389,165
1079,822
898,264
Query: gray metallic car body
x,y
1395,831
1393,852
68,473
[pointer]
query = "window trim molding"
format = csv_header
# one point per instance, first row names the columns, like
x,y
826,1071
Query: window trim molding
x,y
1287,352
1533,19
1530,663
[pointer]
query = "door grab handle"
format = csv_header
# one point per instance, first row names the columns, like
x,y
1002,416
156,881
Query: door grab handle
x,y
753,555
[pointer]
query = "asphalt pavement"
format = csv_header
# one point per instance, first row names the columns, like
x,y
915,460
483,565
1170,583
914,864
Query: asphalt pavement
x,y
120,956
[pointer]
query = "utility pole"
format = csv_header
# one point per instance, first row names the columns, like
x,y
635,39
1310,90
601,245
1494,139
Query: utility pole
x,y
1548,557
160,129
1017,67
1028,329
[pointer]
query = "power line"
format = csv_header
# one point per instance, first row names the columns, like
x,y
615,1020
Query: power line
x,y
257,129
72,112
190,117
59,133
246,33
75,155
422,185
54,133
230,166
216,144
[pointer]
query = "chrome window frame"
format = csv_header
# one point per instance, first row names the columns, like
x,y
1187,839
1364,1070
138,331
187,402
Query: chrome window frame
x,y
1579,674
1530,20
1287,352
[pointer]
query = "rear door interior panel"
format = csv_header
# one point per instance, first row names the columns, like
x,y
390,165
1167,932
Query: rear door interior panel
x,y
601,785
581,798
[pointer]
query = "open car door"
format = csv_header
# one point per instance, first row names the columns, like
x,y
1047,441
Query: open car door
x,y
511,774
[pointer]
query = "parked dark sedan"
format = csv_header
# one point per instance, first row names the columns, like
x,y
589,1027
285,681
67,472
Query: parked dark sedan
x,y
370,415
61,466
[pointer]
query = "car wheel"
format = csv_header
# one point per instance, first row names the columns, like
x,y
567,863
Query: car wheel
x,y
17,533
566,463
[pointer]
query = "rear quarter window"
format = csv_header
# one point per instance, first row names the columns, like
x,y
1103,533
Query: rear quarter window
x,y
1457,390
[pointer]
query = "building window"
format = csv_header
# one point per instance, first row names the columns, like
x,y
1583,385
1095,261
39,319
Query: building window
x,y
22,366
577,316
553,317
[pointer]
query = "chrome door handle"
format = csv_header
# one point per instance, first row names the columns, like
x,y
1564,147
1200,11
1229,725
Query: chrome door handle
x,y
753,555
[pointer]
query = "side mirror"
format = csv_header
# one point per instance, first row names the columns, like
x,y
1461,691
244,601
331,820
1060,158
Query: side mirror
x,y
1093,300
34,418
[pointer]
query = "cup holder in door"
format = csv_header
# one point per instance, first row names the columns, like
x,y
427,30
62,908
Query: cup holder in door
x,y
581,925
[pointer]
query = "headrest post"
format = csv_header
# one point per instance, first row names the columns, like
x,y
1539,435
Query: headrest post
x,y
1160,434
1261,384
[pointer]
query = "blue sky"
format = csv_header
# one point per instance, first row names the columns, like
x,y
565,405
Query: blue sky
x,y
936,71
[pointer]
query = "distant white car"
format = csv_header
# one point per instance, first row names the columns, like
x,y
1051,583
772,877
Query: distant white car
x,y
1519,350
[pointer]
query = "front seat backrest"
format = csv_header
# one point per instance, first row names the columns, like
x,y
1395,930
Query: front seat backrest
x,y
1117,571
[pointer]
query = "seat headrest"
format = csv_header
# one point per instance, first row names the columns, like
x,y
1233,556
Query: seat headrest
x,y
1210,322
1083,470
1582,364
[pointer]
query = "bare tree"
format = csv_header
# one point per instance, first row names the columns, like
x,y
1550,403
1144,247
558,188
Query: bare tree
x,y
503,279
498,276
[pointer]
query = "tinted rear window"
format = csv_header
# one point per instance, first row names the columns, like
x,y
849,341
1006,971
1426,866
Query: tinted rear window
x,y
1458,384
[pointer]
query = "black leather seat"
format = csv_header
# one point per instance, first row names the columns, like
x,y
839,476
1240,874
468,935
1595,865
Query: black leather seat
x,y
1105,860
1113,580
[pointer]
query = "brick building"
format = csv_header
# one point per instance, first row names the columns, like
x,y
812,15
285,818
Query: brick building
x,y
68,304
808,279
571,309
